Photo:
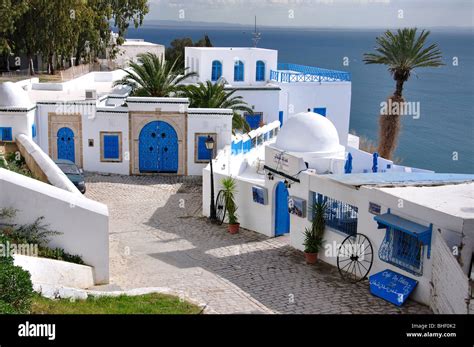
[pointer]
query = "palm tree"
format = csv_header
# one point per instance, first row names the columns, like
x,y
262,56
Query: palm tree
x,y
214,95
152,76
402,52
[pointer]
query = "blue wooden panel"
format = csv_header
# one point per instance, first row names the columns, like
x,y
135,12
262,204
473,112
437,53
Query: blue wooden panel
x,y
6,134
254,120
282,215
65,144
111,147
280,117
320,110
216,70
238,71
202,152
260,71
158,148
392,286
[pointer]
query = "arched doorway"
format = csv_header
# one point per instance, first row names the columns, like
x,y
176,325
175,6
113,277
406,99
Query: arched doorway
x,y
65,144
158,148
282,216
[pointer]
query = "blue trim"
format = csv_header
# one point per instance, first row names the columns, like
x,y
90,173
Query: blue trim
x,y
238,71
6,134
260,71
216,70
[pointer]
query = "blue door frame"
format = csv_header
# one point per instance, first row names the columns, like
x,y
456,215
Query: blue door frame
x,y
158,148
282,215
65,144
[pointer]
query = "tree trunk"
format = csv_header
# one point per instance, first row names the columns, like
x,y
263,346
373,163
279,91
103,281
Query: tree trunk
x,y
389,127
31,67
51,68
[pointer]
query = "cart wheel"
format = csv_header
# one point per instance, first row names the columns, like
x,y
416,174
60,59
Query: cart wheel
x,y
355,257
220,208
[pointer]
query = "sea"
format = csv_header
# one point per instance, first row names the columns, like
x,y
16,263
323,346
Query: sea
x,y
439,133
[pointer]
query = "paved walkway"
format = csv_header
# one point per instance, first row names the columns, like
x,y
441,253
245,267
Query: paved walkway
x,y
159,239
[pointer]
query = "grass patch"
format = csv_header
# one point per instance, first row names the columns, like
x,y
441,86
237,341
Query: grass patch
x,y
153,303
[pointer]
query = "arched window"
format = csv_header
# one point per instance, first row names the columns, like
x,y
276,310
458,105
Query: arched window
x,y
260,71
216,70
238,71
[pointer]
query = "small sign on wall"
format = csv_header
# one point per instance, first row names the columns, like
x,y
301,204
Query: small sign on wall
x,y
374,208
260,195
297,206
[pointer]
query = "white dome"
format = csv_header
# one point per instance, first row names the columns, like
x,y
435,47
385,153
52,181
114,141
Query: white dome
x,y
308,132
12,95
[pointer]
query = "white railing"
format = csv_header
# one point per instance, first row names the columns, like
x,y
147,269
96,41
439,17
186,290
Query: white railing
x,y
244,143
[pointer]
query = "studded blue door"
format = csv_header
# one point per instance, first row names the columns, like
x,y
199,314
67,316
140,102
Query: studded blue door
x,y
254,120
158,148
66,144
282,215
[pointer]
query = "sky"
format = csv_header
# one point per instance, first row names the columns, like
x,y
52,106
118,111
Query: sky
x,y
319,13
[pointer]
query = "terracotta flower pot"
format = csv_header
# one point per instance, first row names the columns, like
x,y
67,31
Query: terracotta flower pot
x,y
311,258
234,228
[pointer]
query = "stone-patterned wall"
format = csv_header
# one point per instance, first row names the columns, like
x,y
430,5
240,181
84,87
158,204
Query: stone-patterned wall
x,y
72,121
450,286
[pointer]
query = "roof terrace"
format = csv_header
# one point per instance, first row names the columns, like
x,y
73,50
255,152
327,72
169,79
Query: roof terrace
x,y
300,73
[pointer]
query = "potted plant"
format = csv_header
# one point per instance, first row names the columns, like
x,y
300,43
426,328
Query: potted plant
x,y
313,237
229,187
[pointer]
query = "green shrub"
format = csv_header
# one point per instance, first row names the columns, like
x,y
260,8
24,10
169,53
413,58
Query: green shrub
x,y
16,288
59,254
6,308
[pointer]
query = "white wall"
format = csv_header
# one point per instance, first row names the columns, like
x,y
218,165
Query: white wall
x,y
131,49
335,96
20,122
203,121
265,99
82,222
203,58
108,120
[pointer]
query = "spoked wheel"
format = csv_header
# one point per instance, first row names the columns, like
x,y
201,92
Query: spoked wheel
x,y
220,207
355,257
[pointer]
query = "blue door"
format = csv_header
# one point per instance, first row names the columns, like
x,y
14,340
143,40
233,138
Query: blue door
x,y
280,118
282,215
320,110
158,148
66,144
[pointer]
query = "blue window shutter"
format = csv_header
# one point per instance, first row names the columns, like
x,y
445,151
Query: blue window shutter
x,y
320,110
260,71
239,71
203,152
6,134
216,70
111,147
254,120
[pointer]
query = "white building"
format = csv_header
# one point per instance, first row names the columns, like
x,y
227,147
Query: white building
x,y
131,48
414,219
102,129
275,91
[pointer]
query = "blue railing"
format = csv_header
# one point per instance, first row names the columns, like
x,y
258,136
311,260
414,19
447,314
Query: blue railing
x,y
338,215
299,73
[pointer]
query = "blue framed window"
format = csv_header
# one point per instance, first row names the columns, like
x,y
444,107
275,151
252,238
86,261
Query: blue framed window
x,y
201,153
216,70
320,110
111,146
6,134
338,215
33,130
238,71
260,71
254,120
